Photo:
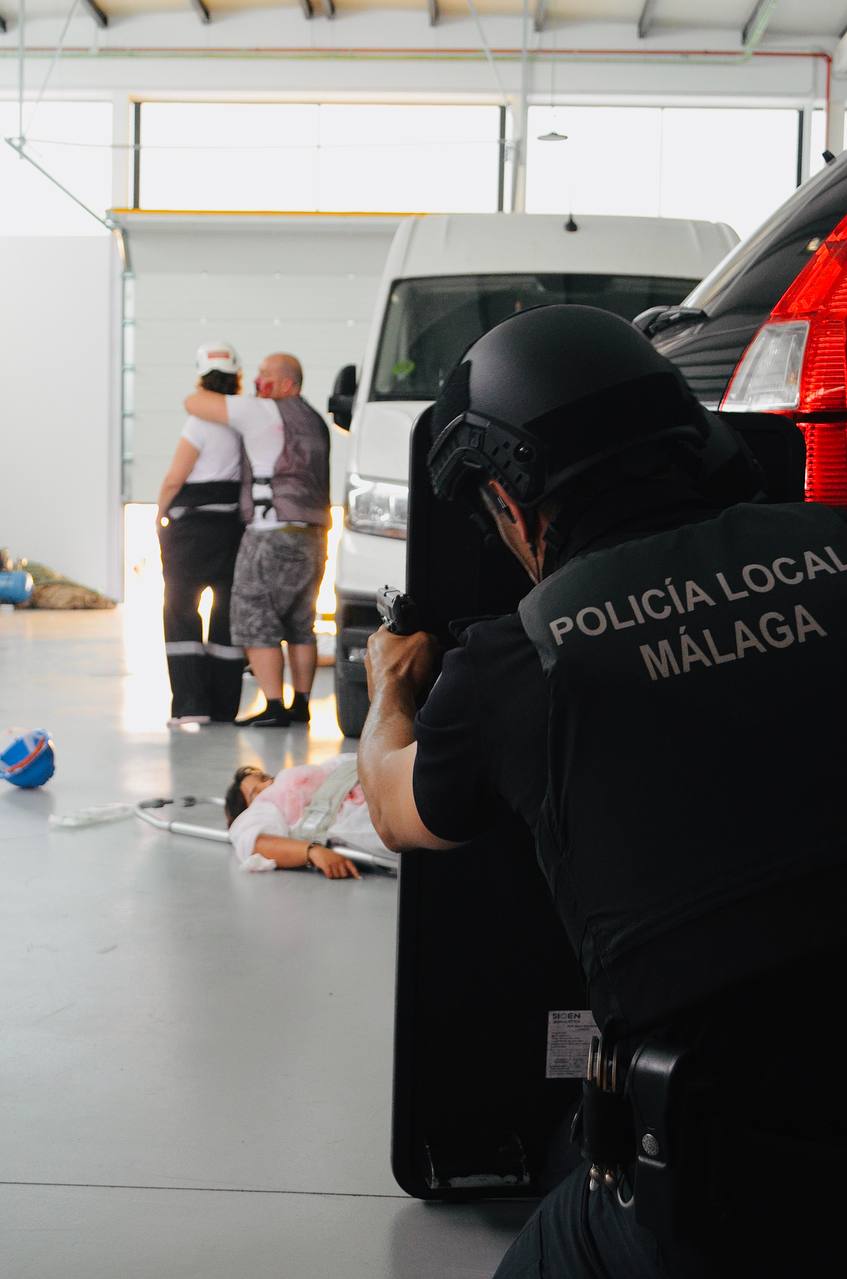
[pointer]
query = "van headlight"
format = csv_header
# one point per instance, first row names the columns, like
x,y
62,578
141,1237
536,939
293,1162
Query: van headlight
x,y
374,506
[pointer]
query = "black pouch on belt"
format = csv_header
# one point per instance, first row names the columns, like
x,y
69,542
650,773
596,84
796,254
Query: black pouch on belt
x,y
607,1137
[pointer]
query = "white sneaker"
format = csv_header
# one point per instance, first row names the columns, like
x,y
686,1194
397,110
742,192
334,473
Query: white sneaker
x,y
189,719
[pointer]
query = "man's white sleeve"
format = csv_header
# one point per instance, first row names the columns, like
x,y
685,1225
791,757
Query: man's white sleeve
x,y
251,417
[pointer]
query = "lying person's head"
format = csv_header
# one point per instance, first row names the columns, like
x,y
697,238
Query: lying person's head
x,y
246,785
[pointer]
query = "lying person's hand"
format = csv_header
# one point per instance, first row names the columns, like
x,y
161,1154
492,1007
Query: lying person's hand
x,y
333,865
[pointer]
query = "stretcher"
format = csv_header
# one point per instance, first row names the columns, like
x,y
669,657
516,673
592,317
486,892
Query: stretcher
x,y
151,812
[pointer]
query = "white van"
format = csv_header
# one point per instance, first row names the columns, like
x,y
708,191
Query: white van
x,y
447,279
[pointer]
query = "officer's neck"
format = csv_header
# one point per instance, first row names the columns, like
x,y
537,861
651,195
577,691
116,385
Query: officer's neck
x,y
629,510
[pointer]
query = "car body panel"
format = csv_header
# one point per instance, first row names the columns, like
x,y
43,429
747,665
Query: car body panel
x,y
740,293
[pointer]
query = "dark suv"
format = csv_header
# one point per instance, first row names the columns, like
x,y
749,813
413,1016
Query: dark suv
x,y
766,331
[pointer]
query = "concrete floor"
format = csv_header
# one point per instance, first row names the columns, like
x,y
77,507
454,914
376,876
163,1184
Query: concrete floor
x,y
195,1063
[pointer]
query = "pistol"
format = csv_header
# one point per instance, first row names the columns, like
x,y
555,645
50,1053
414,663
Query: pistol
x,y
398,611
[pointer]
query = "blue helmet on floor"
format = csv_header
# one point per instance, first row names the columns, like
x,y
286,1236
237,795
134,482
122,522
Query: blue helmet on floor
x,y
29,760
15,587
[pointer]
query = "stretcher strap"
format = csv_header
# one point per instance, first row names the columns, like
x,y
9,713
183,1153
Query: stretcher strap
x,y
325,804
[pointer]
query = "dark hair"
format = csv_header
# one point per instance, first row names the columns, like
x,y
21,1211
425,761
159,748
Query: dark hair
x,y
234,801
223,383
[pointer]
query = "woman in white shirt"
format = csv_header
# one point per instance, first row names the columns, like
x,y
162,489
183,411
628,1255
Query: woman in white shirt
x,y
264,815
199,528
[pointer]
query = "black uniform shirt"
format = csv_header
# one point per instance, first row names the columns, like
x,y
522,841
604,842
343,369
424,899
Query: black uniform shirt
x,y
482,732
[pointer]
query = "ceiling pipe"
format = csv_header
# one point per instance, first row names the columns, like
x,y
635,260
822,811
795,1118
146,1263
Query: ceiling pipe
x,y
372,53
366,53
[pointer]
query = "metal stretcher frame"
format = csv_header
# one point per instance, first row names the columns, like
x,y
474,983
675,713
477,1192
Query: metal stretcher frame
x,y
147,809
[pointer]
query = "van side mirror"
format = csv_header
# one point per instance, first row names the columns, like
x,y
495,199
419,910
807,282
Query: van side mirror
x,y
340,403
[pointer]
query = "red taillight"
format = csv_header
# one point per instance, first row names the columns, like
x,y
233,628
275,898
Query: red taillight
x,y
826,462
806,376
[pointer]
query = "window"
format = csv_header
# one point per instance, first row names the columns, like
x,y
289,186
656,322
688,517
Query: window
x,y
204,155
720,164
610,162
817,141
425,159
73,142
322,157
430,322
733,166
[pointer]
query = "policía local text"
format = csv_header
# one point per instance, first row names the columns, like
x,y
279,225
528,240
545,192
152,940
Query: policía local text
x,y
687,650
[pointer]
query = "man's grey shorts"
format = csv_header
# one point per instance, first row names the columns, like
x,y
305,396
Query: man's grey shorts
x,y
275,586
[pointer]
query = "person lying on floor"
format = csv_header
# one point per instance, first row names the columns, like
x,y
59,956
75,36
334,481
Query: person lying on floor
x,y
288,821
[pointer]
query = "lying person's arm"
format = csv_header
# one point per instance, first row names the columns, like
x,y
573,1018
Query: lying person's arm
x,y
260,830
292,853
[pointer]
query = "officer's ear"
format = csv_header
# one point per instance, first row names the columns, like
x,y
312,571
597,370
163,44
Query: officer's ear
x,y
525,521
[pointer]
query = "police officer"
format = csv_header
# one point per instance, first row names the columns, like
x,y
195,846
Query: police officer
x,y
656,713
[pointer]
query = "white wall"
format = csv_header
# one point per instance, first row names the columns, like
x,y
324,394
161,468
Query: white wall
x,y
58,418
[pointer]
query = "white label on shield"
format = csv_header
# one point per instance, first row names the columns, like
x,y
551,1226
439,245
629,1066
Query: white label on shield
x,y
568,1040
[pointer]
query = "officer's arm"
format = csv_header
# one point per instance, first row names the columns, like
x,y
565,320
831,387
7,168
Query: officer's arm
x,y
211,406
398,668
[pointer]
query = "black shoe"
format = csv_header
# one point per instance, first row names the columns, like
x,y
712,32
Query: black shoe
x,y
273,716
299,709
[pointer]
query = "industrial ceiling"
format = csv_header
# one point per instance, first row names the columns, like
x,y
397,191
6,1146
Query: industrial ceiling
x,y
747,22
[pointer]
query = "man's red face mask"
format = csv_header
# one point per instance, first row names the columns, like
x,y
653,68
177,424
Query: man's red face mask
x,y
263,386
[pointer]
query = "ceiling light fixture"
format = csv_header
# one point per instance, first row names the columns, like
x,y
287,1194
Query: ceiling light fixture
x,y
553,134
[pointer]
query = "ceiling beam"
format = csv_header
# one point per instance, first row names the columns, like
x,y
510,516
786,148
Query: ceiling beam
x,y
433,11
645,22
96,13
540,15
306,6
3,25
201,10
756,25
328,8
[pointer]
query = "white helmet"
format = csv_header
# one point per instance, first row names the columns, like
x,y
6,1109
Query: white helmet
x,y
217,355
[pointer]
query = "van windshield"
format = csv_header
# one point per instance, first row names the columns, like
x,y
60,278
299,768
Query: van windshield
x,y
429,322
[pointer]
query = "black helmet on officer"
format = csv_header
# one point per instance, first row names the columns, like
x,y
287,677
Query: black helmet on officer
x,y
567,401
